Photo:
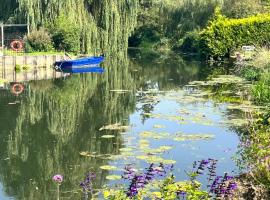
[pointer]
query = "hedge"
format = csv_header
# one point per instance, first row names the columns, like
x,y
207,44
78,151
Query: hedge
x,y
224,35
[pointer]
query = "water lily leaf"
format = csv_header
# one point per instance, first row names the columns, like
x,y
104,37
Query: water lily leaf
x,y
159,126
149,134
143,144
85,153
151,158
107,136
120,91
161,149
126,149
194,137
168,162
116,126
113,177
108,167
127,154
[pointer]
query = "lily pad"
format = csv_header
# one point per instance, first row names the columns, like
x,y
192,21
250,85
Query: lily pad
x,y
116,126
125,149
159,126
85,153
113,177
107,136
149,134
194,137
108,167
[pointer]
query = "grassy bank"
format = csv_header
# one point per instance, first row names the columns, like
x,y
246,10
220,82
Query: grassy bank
x,y
255,152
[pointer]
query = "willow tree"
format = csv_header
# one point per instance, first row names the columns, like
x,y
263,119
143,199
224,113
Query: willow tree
x,y
105,25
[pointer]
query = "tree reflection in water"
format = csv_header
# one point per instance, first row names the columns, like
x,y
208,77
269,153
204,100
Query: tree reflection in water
x,y
58,119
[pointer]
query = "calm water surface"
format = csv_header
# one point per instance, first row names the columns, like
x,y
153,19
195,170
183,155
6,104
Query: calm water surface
x,y
54,126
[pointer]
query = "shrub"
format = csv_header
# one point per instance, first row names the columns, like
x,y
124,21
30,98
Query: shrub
x,y
250,73
190,43
145,36
39,40
223,35
261,90
65,34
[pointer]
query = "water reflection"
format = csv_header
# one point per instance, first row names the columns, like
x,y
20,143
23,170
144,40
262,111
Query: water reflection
x,y
43,133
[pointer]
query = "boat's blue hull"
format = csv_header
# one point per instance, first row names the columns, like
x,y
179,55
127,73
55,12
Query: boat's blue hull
x,y
79,63
96,69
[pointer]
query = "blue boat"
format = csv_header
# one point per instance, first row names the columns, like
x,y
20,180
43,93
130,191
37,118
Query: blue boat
x,y
79,63
96,69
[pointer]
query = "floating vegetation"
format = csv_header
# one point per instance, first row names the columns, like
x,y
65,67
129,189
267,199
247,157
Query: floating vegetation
x,y
155,159
161,149
149,134
86,153
238,122
108,167
221,79
116,126
120,91
166,117
125,149
107,136
143,144
194,137
113,177
159,126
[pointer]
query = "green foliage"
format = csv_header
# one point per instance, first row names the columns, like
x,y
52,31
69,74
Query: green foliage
x,y
143,36
191,189
224,35
243,8
65,34
250,73
39,40
261,90
18,68
190,43
164,189
261,59
2,81
255,151
104,25
168,21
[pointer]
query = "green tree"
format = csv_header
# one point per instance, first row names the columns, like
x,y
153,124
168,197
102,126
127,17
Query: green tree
x,y
65,34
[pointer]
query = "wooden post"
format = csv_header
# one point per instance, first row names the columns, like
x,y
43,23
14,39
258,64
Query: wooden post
x,y
2,34
28,29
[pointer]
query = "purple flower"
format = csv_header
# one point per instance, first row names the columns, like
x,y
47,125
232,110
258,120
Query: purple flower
x,y
181,193
58,178
139,181
88,182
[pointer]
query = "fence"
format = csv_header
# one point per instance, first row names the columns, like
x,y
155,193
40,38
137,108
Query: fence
x,y
12,38
31,65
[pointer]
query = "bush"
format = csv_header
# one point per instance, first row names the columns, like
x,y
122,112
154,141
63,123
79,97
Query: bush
x,y
145,36
39,40
65,34
261,90
190,43
224,35
250,73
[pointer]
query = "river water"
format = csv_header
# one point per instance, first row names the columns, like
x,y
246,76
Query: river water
x,y
138,112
